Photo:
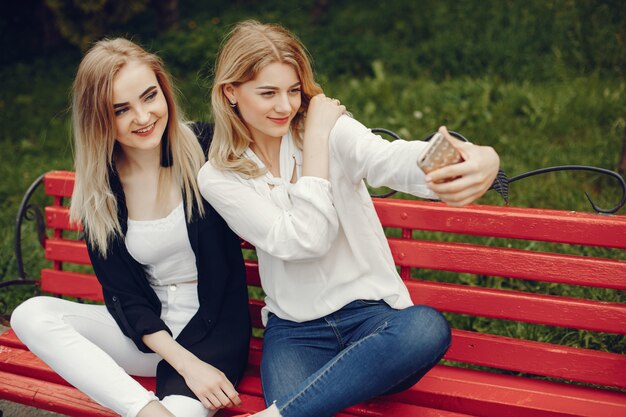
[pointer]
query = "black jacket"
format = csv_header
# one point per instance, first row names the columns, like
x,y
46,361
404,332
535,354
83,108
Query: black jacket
x,y
219,333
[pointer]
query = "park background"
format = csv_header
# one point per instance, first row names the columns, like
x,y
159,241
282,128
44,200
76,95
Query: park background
x,y
543,82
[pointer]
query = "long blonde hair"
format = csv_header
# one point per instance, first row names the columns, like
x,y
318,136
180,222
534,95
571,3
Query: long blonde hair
x,y
247,49
93,123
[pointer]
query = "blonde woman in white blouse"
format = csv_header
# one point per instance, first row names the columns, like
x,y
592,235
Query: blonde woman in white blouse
x,y
286,169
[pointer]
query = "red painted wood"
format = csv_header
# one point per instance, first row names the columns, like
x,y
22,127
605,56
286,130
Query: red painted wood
x,y
251,386
510,222
511,263
8,338
66,250
255,306
59,183
74,284
581,365
520,306
58,217
252,273
49,396
488,394
17,359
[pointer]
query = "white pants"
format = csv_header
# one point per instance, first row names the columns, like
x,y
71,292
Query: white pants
x,y
84,345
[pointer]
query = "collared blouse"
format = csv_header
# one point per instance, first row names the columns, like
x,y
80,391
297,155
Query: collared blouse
x,y
319,242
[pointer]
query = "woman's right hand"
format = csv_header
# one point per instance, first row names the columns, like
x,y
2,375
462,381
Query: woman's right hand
x,y
321,117
207,382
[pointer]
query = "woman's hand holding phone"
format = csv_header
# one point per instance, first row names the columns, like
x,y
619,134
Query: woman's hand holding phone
x,y
462,182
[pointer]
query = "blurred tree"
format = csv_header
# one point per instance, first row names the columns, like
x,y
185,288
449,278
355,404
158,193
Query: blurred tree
x,y
27,29
619,13
319,9
82,22
167,11
622,164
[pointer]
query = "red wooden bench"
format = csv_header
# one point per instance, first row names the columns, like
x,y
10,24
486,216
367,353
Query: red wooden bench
x,y
508,377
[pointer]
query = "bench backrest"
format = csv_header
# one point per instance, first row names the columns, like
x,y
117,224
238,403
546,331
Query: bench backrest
x,y
505,266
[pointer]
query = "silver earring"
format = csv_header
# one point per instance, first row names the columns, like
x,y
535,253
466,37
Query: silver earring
x,y
233,104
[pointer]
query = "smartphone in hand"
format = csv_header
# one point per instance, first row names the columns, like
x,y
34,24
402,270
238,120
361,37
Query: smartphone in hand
x,y
438,153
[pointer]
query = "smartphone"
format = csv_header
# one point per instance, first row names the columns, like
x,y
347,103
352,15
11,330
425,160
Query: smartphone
x,y
438,154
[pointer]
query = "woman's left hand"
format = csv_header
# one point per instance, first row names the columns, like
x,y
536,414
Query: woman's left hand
x,y
465,182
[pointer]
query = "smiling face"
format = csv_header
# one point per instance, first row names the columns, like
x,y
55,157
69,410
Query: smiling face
x,y
268,103
140,108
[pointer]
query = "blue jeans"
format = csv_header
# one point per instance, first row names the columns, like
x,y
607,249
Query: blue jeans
x,y
318,368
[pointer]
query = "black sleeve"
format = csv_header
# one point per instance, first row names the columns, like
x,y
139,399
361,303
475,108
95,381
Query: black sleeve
x,y
127,294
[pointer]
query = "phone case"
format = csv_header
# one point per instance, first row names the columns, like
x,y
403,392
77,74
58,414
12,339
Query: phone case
x,y
437,154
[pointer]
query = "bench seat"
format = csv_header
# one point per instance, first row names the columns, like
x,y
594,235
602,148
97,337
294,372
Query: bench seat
x,y
470,262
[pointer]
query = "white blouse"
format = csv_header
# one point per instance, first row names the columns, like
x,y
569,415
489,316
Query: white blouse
x,y
163,246
320,243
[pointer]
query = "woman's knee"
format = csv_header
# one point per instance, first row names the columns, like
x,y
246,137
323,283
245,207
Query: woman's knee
x,y
25,313
31,318
428,326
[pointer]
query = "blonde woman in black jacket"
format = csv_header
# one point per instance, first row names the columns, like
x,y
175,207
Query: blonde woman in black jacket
x,y
171,270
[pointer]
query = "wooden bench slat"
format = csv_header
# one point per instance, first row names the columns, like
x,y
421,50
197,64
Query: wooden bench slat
x,y
574,364
58,217
510,263
10,339
505,222
254,307
59,183
66,250
23,362
49,396
381,408
374,408
489,394
520,306
18,359
252,273
73,284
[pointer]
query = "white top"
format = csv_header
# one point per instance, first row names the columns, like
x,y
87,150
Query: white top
x,y
163,246
320,243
